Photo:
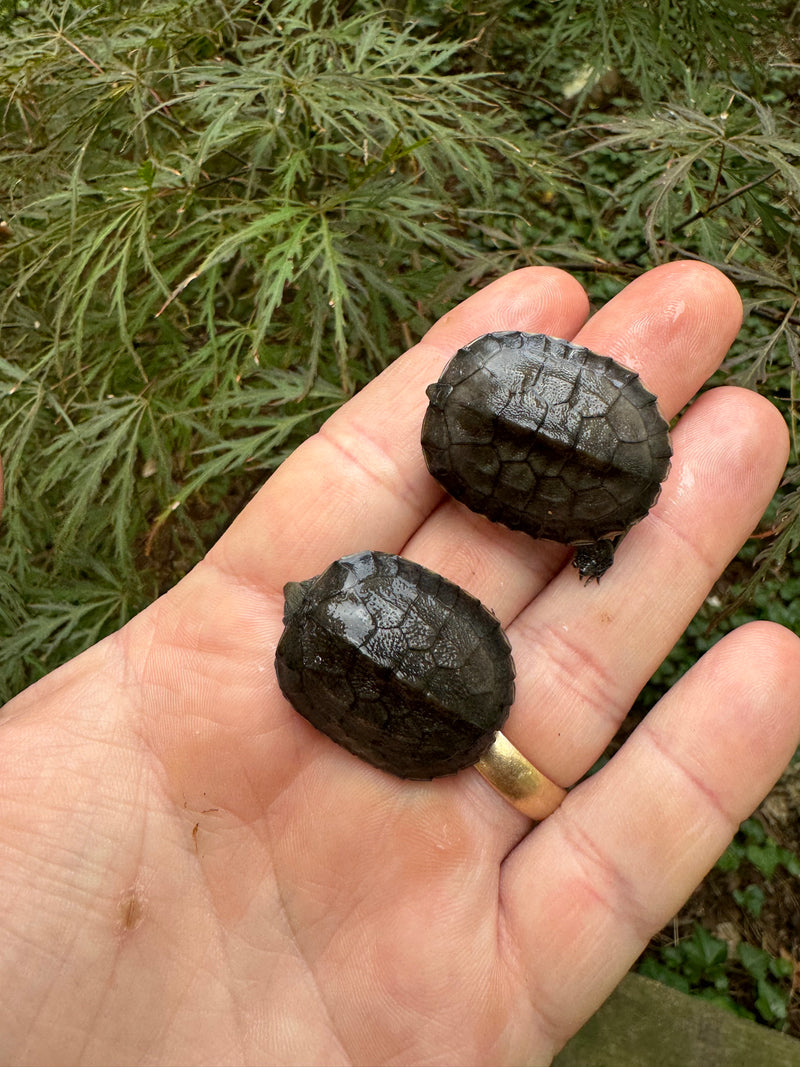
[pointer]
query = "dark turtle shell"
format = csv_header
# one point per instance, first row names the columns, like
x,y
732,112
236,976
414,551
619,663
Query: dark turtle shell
x,y
396,664
547,437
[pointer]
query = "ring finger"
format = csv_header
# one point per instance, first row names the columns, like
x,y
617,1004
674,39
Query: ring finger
x,y
583,654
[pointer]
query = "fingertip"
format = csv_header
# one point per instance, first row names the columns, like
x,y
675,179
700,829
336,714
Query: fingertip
x,y
530,289
672,324
779,639
755,671
531,299
730,451
755,428
710,282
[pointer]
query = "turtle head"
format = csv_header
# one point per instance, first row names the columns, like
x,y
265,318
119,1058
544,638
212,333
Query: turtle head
x,y
294,593
438,393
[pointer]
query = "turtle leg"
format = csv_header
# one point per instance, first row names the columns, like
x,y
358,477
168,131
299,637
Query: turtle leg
x,y
593,560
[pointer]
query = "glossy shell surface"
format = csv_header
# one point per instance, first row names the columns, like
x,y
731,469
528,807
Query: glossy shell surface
x,y
396,664
546,437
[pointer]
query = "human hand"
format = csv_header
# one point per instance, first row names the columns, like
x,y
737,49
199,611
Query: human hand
x,y
190,873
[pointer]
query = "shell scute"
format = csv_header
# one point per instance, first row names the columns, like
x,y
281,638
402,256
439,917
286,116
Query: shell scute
x,y
545,436
396,664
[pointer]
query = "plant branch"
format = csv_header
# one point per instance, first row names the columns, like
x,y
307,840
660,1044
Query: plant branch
x,y
705,212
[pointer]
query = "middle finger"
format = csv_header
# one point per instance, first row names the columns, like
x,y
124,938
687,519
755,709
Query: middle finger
x,y
584,653
672,325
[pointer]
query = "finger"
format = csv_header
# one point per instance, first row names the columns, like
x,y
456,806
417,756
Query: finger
x,y
583,653
362,482
583,894
672,325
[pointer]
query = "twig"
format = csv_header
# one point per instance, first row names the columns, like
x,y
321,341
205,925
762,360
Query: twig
x,y
80,52
705,212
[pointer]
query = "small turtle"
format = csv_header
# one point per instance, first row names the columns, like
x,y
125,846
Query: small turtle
x,y
396,664
547,437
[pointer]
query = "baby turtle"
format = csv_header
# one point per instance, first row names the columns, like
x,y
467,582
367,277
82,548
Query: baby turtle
x,y
396,664
547,437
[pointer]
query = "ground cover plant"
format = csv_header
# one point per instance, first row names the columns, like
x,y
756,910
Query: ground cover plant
x,y
218,220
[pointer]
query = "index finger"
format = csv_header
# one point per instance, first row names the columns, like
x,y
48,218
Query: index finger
x,y
361,482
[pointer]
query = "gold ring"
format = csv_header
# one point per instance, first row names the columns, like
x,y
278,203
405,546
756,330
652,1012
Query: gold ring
x,y
517,780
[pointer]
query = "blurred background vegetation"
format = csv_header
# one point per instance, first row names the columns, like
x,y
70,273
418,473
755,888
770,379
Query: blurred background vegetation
x,y
219,219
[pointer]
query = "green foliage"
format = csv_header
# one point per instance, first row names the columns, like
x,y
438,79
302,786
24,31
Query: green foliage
x,y
221,218
653,42
750,899
701,964
771,976
720,175
753,844
650,44
748,980
695,965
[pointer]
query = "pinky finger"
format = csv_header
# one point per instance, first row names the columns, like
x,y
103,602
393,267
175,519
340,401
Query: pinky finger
x,y
583,894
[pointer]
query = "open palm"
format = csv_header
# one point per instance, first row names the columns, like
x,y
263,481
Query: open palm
x,y
190,873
